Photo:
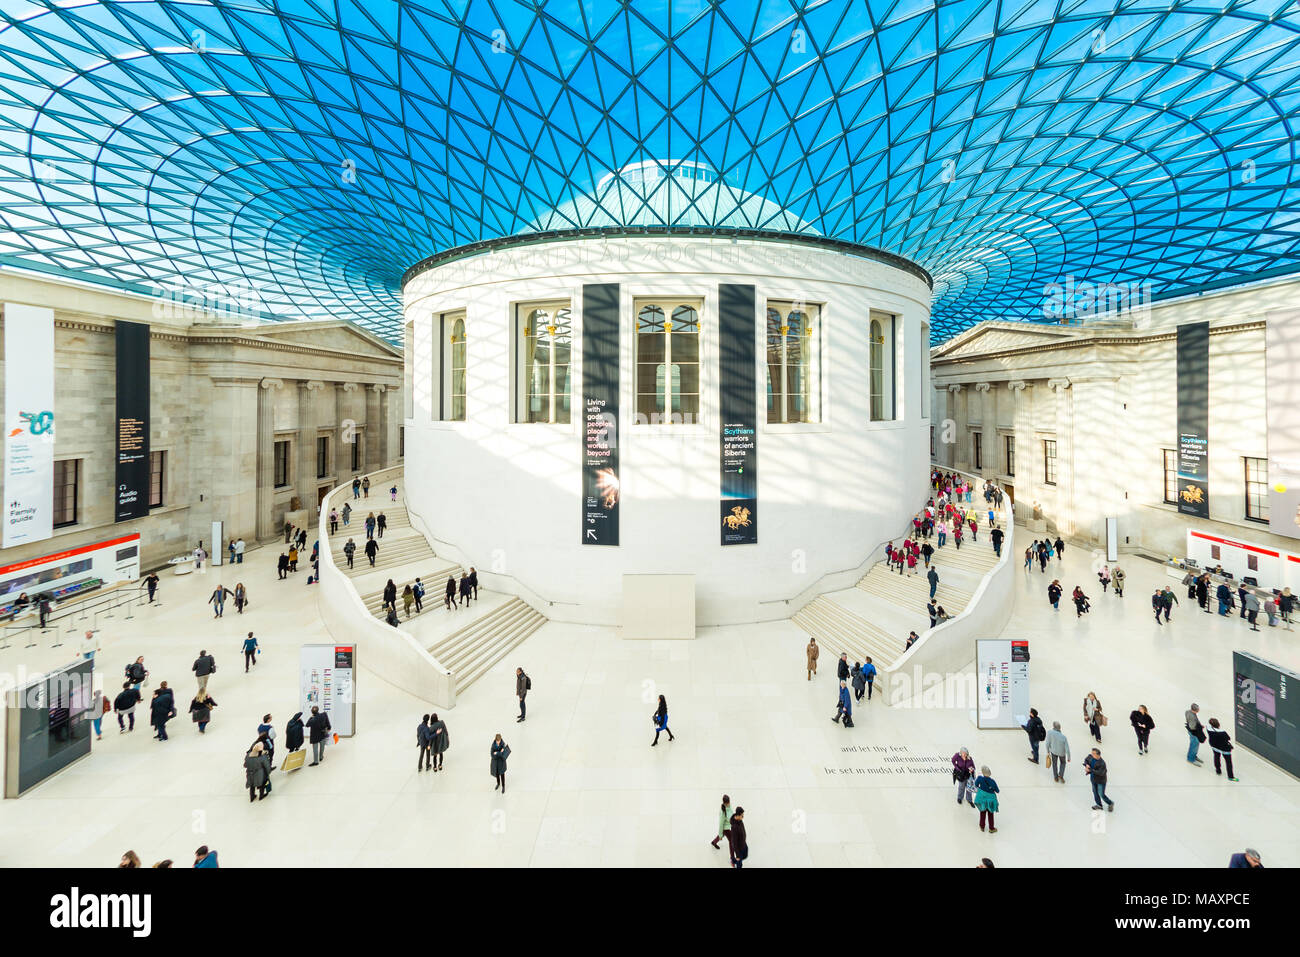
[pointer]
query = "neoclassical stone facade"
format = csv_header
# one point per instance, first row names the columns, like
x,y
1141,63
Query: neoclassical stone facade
x,y
1079,419
255,419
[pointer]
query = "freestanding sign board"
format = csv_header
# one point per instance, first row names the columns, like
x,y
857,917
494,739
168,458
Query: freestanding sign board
x,y
1002,682
327,678
1266,714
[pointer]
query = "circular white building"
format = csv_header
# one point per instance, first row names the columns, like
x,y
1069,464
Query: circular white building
x,y
726,396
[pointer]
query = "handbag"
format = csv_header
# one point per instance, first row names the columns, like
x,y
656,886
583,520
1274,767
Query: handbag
x,y
1103,721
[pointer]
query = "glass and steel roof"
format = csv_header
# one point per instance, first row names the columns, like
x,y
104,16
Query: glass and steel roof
x,y
311,151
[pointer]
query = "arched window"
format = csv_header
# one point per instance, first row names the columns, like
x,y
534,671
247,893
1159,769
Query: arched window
x,y
545,337
792,370
667,362
882,367
457,353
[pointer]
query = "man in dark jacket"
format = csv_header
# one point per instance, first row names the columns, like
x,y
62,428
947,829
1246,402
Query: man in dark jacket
x,y
1054,593
739,843
1034,728
423,744
997,542
842,669
204,666
1096,768
371,551
136,672
124,704
932,576
521,691
161,710
1224,594
318,726
1203,593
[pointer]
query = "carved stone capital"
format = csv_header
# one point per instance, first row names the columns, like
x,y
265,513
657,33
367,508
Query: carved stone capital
x,y
349,387
1058,385
982,386
1016,385
379,388
955,387
270,383
313,385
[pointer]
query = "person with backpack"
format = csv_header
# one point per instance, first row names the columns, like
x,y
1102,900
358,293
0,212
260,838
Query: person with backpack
x,y
417,592
318,726
293,733
1037,733
439,740
500,753
859,683
423,746
124,704
523,684
136,673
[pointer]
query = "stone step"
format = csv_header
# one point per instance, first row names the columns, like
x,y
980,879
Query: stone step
x,y
469,652
838,630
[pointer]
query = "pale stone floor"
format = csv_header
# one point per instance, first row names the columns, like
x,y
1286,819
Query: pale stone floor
x,y
586,788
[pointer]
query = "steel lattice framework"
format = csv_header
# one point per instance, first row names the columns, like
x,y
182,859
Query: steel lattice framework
x,y
313,150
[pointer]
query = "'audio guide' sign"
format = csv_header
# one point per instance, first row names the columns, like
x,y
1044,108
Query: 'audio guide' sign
x,y
29,424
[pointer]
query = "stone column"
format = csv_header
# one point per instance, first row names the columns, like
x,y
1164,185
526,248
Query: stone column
x,y
346,433
376,427
1021,426
266,396
988,428
307,428
957,411
1065,511
1098,491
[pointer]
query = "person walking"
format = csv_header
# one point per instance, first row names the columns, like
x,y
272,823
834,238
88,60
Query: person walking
x,y
842,667
318,728
423,746
660,719
101,708
1080,599
1195,733
282,565
417,592
349,549
370,525
1059,546
739,840
464,589
1117,577
963,769
356,488
997,536
1095,768
524,684
365,487
844,706
927,552
250,652
812,651
218,600
151,585
1092,715
1054,594
204,666
869,676
390,596
858,682
408,599
1143,724
372,550
205,859
293,557
161,710
334,520
124,704
1221,745
346,514
986,797
1157,604
449,593
439,740
293,733
241,597
500,753
201,710
381,523
1058,749
393,493
1167,601
1103,576
724,825
473,581
257,772
200,554
136,673
932,576
1037,733
1203,592
89,646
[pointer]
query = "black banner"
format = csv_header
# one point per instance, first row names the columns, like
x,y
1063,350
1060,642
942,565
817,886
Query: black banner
x,y
1194,419
600,383
738,400
132,471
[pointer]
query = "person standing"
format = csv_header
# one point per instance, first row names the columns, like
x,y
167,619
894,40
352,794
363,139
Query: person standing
x,y
1054,593
239,551
1058,749
266,734
356,488
1143,725
218,600
161,710
201,710
1117,577
500,753
523,684
963,769
1285,606
1250,605
439,740
842,667
473,581
1095,768
318,727
334,520
417,592
1203,592
724,825
1221,745
812,651
739,840
1224,594
1195,733
844,707
257,772
365,487
932,576
932,610
151,585
1092,715
393,492
230,548
424,746
372,550
1037,733
449,593
250,652
986,797
203,668
89,645
282,565
102,707
349,549
869,675
199,555
660,719
293,733
124,704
